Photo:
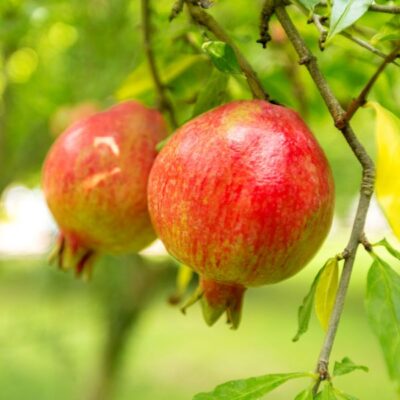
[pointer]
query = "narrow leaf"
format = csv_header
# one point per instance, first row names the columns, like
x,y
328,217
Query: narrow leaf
x,y
222,56
213,94
395,253
346,13
346,366
249,389
383,309
305,395
388,164
325,293
140,80
304,312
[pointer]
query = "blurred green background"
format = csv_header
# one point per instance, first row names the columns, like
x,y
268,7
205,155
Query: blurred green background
x,y
116,337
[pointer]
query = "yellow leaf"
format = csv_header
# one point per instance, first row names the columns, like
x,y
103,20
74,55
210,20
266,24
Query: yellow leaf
x,y
183,278
325,292
388,164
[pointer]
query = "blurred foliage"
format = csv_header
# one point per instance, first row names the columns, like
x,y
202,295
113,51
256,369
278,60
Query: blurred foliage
x,y
58,53
52,333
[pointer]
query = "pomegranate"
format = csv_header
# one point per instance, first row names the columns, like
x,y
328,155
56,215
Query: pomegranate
x,y
94,180
244,195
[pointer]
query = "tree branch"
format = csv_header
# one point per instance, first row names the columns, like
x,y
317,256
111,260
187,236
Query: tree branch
x,y
362,97
368,178
385,9
202,18
164,103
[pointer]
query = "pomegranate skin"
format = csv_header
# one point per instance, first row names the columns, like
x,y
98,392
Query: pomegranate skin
x,y
243,194
95,180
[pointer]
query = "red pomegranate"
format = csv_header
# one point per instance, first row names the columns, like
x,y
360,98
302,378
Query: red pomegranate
x,y
244,195
95,179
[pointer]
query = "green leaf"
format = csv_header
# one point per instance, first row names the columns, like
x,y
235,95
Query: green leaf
x,y
305,395
213,94
249,389
346,366
163,143
346,13
140,80
222,56
388,164
310,4
389,31
327,393
383,309
325,293
395,253
304,312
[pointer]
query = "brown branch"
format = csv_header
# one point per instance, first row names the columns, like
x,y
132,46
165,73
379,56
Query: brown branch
x,y
367,184
362,97
202,18
164,103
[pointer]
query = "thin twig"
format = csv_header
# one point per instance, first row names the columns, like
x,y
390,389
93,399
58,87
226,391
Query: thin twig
x,y
367,184
164,102
366,46
202,18
385,9
362,97
323,32
176,9
266,14
377,8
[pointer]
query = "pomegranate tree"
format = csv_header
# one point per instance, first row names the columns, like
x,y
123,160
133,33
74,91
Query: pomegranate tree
x,y
244,195
94,180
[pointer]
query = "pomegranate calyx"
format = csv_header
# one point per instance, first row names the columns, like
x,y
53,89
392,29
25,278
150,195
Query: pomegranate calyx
x,y
68,254
217,298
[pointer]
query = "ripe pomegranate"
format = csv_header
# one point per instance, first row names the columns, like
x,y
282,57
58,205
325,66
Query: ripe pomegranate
x,y
244,195
95,179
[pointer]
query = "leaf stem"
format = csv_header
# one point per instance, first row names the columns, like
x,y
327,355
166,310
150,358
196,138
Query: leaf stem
x,y
362,97
164,103
367,184
202,18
